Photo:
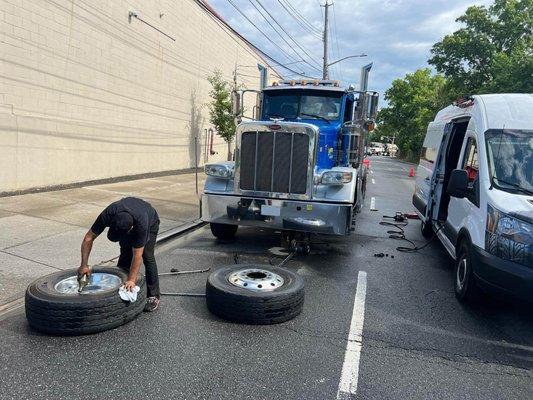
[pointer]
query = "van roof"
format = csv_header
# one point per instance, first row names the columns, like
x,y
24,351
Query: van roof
x,y
512,110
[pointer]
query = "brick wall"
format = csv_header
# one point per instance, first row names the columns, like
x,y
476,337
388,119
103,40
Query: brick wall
x,y
87,94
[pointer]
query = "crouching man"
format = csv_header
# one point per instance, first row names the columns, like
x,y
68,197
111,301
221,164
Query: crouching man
x,y
133,223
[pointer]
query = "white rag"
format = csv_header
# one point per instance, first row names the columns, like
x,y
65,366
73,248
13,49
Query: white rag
x,y
126,295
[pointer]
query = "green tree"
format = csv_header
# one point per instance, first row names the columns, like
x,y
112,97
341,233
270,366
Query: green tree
x,y
412,104
492,53
220,113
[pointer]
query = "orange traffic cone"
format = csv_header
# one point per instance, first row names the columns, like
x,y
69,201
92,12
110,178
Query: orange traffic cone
x,y
411,172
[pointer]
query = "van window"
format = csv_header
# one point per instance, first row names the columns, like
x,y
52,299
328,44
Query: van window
x,y
429,154
470,161
430,148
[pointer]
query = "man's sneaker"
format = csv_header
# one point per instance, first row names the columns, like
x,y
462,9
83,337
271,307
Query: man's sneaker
x,y
151,304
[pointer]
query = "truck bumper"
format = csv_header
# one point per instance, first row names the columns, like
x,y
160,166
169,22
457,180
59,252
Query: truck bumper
x,y
292,215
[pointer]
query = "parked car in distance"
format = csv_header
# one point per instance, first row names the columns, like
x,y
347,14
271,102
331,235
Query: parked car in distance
x,y
474,190
377,148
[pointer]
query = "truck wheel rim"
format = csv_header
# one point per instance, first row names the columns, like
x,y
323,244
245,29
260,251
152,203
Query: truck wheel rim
x,y
256,279
461,273
99,282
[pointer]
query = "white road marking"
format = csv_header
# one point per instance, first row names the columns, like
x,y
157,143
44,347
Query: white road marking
x,y
373,204
371,171
373,181
350,368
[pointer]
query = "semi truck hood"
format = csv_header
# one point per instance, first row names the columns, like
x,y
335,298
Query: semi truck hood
x,y
328,133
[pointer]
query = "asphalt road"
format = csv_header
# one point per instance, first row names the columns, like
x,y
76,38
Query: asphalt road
x,y
417,341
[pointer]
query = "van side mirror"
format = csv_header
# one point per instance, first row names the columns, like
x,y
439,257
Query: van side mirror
x,y
458,184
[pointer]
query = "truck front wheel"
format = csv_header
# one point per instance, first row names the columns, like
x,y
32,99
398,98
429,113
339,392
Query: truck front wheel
x,y
223,231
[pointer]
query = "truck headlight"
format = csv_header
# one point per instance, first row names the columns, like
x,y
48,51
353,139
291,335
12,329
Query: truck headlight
x,y
219,170
336,177
508,237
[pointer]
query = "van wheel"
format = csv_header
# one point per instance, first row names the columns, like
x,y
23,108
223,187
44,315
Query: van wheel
x,y
223,231
464,283
426,229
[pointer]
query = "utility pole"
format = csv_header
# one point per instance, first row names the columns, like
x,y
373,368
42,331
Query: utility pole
x,y
325,73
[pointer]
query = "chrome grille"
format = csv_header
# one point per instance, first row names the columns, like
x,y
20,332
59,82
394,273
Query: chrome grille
x,y
274,162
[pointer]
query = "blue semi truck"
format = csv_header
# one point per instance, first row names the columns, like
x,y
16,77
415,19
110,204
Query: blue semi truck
x,y
298,165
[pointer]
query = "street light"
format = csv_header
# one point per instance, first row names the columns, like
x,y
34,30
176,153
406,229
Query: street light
x,y
326,66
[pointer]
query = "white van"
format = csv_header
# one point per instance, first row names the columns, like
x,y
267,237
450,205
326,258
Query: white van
x,y
474,190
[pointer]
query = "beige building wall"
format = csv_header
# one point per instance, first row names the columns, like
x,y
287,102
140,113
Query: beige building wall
x,y
87,94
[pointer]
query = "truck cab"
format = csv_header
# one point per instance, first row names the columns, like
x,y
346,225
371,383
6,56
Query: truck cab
x,y
298,165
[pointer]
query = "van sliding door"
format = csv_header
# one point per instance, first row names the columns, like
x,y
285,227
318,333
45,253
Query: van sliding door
x,y
437,180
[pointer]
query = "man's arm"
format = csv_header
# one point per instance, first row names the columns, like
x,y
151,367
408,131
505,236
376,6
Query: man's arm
x,y
134,268
86,247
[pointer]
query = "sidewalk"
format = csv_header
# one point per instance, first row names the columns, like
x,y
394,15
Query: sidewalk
x,y
41,233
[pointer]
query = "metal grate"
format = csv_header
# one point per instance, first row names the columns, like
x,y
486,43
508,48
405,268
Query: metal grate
x,y
274,162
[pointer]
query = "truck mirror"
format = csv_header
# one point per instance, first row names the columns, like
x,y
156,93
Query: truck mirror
x,y
374,99
236,103
458,184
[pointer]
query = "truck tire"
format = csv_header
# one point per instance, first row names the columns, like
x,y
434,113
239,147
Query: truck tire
x,y
259,294
464,281
54,307
426,229
223,231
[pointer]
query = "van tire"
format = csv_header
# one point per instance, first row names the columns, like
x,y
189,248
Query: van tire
x,y
223,231
464,281
246,306
427,230
53,313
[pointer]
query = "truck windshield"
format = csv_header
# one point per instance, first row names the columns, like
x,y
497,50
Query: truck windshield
x,y
510,157
308,104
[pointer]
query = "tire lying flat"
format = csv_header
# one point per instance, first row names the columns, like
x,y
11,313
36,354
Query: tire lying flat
x,y
54,313
257,307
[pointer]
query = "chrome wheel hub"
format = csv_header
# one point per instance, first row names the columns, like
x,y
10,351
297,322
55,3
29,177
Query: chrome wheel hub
x,y
461,273
99,282
256,279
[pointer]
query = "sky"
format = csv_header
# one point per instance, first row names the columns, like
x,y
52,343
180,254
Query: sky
x,y
396,35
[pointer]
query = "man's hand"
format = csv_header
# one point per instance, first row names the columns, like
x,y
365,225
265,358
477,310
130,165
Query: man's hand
x,y
86,246
134,268
129,285
84,270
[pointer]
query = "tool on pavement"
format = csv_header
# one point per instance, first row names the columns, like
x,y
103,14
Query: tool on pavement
x,y
174,271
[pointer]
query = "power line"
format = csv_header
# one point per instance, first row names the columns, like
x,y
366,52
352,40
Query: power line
x,y
287,33
337,42
301,17
231,31
281,36
283,65
297,19
263,33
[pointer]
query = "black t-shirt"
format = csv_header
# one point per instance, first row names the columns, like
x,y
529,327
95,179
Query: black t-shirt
x,y
145,219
